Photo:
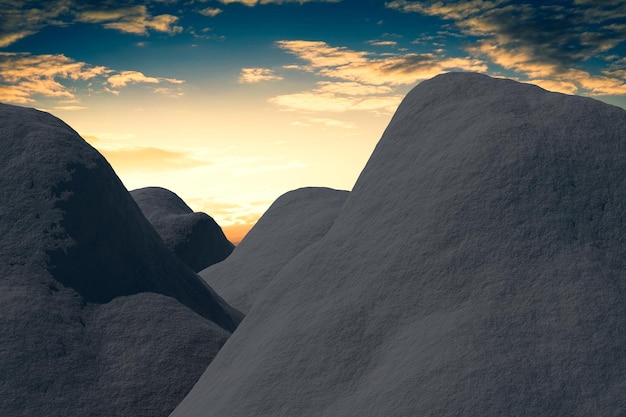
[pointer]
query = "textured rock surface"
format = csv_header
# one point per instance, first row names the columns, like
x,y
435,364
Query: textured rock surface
x,y
476,269
294,221
98,317
194,237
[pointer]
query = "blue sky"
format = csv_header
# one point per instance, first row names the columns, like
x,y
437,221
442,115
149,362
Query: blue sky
x,y
231,103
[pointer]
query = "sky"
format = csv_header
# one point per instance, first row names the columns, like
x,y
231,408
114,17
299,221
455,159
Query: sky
x,y
231,103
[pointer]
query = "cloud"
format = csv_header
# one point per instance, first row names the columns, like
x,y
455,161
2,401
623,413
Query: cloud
x,y
317,100
546,43
361,80
127,77
366,68
351,88
142,159
134,77
24,18
134,20
257,75
8,38
170,92
383,43
251,3
15,95
25,76
210,11
451,10
21,18
70,108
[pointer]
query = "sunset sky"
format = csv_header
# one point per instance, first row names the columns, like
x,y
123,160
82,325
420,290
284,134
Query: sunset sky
x,y
231,103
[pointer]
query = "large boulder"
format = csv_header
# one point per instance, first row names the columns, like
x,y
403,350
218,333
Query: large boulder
x,y
476,269
194,237
98,317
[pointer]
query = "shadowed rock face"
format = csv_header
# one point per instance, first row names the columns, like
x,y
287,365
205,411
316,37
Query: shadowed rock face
x,y
295,220
476,269
194,237
98,317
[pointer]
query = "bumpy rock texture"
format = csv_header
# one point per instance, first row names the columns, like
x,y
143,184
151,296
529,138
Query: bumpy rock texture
x,y
294,221
476,269
98,317
194,237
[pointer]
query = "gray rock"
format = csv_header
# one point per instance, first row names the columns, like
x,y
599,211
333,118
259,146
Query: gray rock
x,y
194,237
476,269
98,317
292,223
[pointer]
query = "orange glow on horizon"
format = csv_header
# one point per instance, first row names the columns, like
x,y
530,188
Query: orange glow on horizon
x,y
236,232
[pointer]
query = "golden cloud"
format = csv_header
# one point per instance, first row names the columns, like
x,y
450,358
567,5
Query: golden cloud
x,y
361,81
319,101
8,38
352,88
134,20
24,76
358,66
27,75
147,158
257,75
451,10
546,44
251,3
127,77
69,108
550,75
21,19
210,11
383,43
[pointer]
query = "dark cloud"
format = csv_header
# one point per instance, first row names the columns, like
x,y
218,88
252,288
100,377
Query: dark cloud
x,y
23,18
545,40
560,33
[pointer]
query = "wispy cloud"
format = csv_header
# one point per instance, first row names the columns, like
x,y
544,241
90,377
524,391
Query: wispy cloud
x,y
545,43
25,76
7,39
149,159
351,88
364,67
257,75
341,96
127,77
361,80
210,11
126,158
382,43
70,108
134,77
251,3
21,18
452,10
318,101
135,19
